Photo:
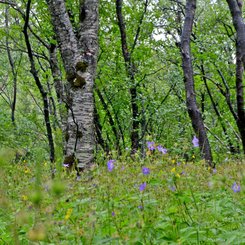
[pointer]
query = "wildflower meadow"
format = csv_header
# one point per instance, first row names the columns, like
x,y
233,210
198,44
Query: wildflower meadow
x,y
161,199
122,122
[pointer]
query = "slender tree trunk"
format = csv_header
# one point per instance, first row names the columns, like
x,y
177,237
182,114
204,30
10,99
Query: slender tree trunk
x,y
52,105
227,95
217,112
117,120
98,128
12,65
41,89
131,74
194,113
111,121
79,57
236,13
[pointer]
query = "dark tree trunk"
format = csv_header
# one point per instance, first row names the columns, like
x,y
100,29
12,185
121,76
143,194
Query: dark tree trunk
x,y
227,94
41,89
98,129
217,112
111,121
135,119
194,113
236,13
119,123
131,73
12,65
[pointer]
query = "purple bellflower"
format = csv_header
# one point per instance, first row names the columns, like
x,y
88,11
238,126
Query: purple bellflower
x,y
162,150
195,141
142,186
145,171
236,187
172,188
150,145
110,165
140,207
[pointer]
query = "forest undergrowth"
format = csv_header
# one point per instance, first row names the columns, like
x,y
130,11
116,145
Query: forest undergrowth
x,y
158,200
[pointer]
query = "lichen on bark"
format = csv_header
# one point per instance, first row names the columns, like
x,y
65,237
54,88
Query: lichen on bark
x,y
79,57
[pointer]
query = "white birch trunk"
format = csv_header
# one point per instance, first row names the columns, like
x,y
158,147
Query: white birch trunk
x,y
79,56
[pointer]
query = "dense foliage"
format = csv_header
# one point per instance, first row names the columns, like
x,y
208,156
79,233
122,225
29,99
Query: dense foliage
x,y
160,193
158,76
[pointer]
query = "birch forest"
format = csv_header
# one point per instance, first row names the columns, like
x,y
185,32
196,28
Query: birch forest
x,y
122,122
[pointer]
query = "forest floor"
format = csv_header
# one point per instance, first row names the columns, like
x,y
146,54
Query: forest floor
x,y
156,201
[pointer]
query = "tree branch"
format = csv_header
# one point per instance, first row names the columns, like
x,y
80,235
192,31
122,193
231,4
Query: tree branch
x,y
139,26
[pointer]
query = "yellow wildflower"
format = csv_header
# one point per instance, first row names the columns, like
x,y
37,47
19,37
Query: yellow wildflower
x,y
27,171
68,213
177,175
24,197
173,170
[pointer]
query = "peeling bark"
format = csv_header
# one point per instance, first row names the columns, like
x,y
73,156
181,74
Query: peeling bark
x,y
79,57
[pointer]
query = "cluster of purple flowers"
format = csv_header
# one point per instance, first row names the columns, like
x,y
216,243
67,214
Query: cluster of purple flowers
x,y
162,150
146,171
152,146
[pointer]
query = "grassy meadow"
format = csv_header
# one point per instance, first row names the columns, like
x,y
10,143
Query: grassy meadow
x,y
158,200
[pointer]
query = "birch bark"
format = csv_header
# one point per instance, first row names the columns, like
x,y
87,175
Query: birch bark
x,y
79,55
